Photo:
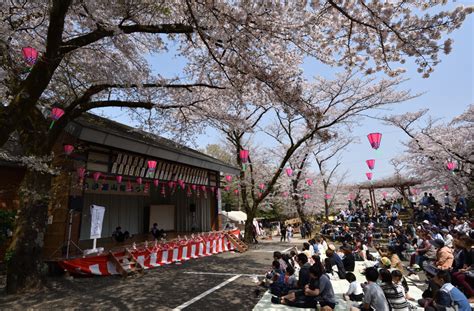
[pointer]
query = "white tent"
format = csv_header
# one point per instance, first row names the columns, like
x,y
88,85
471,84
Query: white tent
x,y
236,216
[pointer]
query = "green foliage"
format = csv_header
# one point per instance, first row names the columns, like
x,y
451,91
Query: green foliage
x,y
219,152
273,213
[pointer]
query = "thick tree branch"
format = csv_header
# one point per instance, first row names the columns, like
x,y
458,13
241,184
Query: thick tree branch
x,y
102,32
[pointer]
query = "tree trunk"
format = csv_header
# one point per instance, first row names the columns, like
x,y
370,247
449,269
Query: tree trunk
x,y
250,210
300,211
326,209
24,262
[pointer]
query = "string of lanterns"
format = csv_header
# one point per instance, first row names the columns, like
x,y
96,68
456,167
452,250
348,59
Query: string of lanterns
x,y
172,185
374,140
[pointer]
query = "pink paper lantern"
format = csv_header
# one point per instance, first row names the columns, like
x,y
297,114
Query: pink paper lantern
x,y
446,187
236,191
309,182
118,179
30,55
369,176
203,188
327,196
56,114
289,172
244,155
194,187
96,176
181,183
285,194
451,165
139,180
374,140
227,188
306,196
351,196
156,182
370,163
228,178
81,172
68,149
213,189
261,186
384,194
151,164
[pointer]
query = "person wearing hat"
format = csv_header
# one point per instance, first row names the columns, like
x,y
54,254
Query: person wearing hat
x,y
444,258
447,237
385,263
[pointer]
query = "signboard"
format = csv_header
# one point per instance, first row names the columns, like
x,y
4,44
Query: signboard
x,y
97,216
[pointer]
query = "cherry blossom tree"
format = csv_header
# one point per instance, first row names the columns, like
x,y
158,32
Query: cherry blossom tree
x,y
433,144
328,160
323,105
93,54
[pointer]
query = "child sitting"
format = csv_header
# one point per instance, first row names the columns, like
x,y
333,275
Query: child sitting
x,y
354,293
290,278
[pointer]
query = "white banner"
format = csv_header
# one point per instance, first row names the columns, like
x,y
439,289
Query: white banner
x,y
97,216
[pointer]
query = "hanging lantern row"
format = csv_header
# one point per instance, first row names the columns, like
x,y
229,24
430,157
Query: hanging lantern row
x,y
374,140
370,163
81,172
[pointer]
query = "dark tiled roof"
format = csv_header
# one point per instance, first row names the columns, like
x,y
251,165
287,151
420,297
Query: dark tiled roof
x,y
119,130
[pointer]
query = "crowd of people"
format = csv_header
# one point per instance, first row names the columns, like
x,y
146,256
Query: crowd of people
x,y
437,243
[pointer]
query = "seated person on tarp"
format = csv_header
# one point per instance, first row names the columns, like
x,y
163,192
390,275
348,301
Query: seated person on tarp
x,y
120,236
333,260
275,280
157,233
318,290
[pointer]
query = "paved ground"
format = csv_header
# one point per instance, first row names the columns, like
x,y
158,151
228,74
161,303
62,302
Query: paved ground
x,y
210,283
195,285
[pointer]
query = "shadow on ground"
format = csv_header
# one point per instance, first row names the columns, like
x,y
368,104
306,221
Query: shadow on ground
x,y
163,288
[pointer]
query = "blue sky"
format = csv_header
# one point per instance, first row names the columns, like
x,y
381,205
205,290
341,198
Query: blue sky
x,y
447,93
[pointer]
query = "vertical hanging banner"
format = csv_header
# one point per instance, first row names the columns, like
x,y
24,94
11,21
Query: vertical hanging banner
x,y
97,217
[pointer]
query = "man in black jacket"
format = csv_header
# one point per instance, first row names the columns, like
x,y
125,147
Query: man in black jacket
x,y
348,260
332,260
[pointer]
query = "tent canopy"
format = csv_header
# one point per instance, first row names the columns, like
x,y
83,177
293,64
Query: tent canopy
x,y
235,215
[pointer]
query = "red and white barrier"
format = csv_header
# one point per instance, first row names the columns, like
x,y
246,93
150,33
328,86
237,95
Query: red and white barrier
x,y
152,257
